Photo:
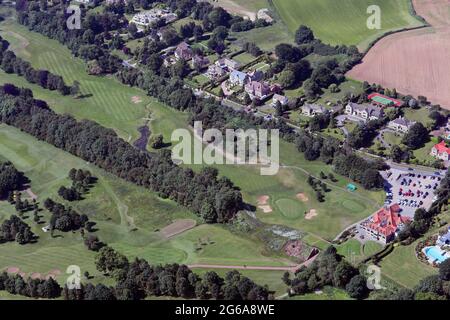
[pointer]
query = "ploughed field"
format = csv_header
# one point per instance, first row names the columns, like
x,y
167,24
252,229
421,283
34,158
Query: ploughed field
x,y
414,62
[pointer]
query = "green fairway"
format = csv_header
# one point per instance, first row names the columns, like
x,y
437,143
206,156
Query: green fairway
x,y
345,21
105,100
127,217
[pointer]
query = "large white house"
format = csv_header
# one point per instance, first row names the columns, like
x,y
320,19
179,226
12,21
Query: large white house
x,y
401,124
364,111
146,18
311,110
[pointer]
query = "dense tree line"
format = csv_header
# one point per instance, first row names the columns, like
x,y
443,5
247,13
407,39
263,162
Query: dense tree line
x,y
33,288
10,179
15,229
214,199
10,63
138,279
86,42
329,269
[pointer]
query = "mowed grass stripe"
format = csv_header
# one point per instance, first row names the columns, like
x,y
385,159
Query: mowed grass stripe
x,y
103,95
345,21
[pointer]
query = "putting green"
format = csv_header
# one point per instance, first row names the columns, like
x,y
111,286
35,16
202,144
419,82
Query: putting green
x,y
291,209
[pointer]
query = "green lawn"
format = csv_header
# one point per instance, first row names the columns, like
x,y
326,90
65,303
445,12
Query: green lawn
x,y
345,21
266,38
402,266
418,115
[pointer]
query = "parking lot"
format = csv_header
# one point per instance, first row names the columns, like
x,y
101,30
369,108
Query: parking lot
x,y
411,189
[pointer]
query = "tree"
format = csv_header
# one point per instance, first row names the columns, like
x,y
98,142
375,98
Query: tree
x,y
416,136
108,260
396,153
304,35
343,274
286,79
444,270
287,52
357,287
156,142
75,88
132,30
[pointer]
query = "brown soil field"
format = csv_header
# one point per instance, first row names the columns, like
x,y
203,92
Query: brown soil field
x,y
178,227
234,8
414,62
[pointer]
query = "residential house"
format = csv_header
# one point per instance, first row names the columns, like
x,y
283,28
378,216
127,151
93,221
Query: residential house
x,y
311,110
277,98
184,52
238,78
258,90
401,124
215,72
199,62
441,151
364,111
263,14
146,18
444,240
228,64
385,224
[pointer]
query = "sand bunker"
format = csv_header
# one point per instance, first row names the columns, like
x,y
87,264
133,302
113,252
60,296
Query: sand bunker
x,y
12,270
56,272
262,200
311,214
136,99
178,227
266,209
36,275
302,197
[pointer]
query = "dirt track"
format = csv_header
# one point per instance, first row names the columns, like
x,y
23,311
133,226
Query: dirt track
x,y
245,267
414,62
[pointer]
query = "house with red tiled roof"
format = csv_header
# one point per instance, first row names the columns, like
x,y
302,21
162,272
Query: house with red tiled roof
x,y
384,224
441,151
259,90
184,52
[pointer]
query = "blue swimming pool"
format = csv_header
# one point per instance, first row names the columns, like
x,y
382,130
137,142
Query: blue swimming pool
x,y
435,253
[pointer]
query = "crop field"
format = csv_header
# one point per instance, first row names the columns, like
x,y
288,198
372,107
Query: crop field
x,y
345,21
414,62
